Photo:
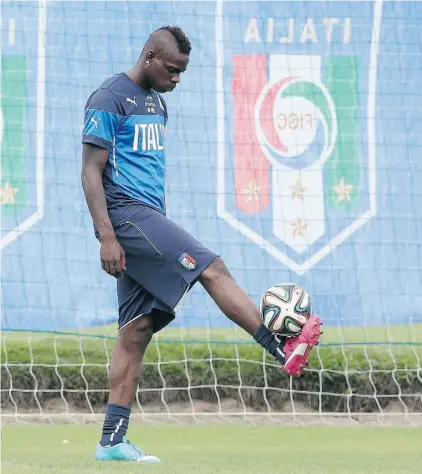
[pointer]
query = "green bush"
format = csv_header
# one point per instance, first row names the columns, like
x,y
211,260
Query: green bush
x,y
358,378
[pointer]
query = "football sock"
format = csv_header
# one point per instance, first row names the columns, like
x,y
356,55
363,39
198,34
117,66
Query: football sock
x,y
273,344
115,424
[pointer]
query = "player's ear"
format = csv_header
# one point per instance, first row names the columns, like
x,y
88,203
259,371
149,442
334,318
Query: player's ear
x,y
149,57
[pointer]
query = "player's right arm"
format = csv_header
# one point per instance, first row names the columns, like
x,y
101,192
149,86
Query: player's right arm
x,y
101,124
112,255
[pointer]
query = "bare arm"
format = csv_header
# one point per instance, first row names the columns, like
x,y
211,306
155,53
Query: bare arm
x,y
94,159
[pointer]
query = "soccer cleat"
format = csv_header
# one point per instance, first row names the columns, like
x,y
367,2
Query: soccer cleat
x,y
298,348
125,451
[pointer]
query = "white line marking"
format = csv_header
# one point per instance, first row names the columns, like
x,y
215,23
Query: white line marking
x,y
12,28
38,215
220,109
151,243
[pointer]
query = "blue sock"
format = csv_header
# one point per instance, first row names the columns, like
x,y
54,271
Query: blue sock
x,y
115,424
273,344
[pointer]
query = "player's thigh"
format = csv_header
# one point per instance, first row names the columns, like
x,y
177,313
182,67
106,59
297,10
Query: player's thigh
x,y
161,256
135,303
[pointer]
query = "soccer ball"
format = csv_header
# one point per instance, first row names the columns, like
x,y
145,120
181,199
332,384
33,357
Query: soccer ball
x,y
285,308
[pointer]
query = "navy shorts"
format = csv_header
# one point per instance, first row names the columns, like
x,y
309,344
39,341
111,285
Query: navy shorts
x,y
163,262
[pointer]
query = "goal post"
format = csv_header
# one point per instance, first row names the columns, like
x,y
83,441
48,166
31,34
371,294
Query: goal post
x,y
291,150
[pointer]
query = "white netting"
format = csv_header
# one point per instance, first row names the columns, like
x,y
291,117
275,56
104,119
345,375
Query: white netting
x,y
65,377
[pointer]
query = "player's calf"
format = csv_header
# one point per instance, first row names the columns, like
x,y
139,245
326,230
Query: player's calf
x,y
236,305
131,344
130,347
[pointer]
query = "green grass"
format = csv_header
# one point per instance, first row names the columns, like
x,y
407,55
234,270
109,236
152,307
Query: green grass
x,y
372,334
409,333
218,449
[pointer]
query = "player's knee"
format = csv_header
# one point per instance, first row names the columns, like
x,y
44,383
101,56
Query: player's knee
x,y
144,327
214,272
136,335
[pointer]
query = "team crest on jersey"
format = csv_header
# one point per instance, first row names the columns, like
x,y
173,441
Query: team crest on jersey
x,y
22,135
187,261
150,104
297,125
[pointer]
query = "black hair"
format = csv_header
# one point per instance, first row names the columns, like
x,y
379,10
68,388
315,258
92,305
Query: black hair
x,y
179,35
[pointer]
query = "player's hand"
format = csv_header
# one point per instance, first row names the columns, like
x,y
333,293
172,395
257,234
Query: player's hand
x,y
113,260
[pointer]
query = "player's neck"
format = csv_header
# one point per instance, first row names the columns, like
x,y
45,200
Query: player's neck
x,y
138,78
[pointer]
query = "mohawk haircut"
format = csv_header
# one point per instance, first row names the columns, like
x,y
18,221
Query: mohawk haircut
x,y
179,35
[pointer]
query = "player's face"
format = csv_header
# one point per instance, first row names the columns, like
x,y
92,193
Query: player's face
x,y
165,71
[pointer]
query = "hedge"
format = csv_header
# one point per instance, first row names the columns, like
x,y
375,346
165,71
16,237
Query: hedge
x,y
340,378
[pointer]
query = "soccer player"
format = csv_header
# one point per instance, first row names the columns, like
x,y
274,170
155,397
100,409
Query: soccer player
x,y
155,261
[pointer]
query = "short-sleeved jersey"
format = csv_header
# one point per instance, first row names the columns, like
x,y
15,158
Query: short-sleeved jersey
x,y
128,121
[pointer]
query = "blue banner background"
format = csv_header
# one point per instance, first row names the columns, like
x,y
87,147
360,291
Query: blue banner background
x,y
51,276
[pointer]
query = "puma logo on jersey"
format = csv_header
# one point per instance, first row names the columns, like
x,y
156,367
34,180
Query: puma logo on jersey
x,y
95,122
132,101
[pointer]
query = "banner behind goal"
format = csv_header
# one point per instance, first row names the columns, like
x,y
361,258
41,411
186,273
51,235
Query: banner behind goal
x,y
292,147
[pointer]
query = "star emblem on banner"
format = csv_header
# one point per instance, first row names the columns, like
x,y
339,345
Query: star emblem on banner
x,y
7,194
299,228
297,190
343,190
252,191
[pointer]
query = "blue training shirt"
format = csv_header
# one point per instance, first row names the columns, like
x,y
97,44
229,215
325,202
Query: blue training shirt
x,y
129,122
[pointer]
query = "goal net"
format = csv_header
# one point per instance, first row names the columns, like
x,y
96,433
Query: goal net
x,y
292,151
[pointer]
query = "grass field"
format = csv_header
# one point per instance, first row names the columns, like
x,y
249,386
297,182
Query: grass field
x,y
218,449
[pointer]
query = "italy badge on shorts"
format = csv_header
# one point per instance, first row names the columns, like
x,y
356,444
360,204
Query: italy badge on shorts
x,y
297,124
22,118
187,261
